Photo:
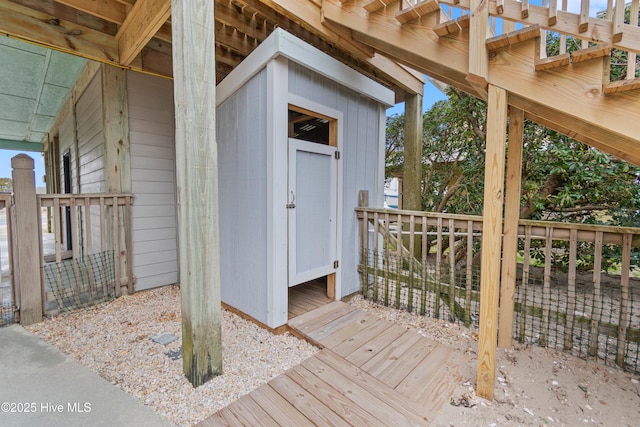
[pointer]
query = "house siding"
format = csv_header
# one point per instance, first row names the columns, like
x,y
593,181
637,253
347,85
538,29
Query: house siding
x,y
242,152
153,180
90,134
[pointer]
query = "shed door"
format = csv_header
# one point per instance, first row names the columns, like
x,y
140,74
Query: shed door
x,y
312,210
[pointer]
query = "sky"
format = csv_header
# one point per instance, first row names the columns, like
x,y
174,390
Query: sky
x,y
5,164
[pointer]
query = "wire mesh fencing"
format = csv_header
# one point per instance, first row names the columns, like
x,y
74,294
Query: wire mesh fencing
x,y
575,319
80,282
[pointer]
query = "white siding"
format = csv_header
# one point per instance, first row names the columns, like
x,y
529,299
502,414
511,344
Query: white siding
x,y
153,180
360,154
241,137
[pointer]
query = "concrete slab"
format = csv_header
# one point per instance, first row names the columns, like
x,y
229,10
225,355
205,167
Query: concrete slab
x,y
40,386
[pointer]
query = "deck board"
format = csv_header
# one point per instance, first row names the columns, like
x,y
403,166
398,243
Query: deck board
x,y
370,372
333,399
306,403
393,373
283,412
364,390
383,342
365,333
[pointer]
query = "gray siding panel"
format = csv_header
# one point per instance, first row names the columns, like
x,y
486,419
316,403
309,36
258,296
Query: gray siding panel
x,y
360,154
91,138
90,162
241,138
153,180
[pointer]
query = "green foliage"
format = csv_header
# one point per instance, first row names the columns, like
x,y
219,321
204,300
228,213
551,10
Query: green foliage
x,y
6,185
562,179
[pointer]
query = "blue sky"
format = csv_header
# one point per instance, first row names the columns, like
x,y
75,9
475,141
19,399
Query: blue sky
x,y
5,164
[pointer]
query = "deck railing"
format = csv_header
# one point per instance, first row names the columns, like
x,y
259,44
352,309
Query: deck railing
x,y
574,289
86,249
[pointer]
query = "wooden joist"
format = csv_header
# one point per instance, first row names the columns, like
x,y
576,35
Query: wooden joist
x,y
621,86
418,11
141,24
551,62
592,52
513,37
375,5
452,26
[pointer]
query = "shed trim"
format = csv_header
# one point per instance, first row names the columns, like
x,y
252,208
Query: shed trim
x,y
282,43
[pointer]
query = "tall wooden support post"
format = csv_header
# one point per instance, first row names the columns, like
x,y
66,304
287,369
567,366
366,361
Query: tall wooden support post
x,y
491,239
412,176
478,54
511,217
117,157
28,247
194,73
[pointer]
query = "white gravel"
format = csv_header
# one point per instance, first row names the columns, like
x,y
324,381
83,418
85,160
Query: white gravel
x,y
113,340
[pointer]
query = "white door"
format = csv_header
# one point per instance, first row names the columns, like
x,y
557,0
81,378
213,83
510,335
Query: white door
x,y
312,210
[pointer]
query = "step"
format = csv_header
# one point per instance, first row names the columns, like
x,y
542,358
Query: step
x,y
514,37
621,86
452,26
420,9
589,53
375,5
553,62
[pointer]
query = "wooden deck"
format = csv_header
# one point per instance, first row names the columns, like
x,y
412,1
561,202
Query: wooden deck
x,y
307,297
370,372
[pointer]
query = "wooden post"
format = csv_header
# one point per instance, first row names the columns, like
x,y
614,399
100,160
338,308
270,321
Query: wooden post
x,y
28,246
511,217
117,159
412,176
194,72
491,239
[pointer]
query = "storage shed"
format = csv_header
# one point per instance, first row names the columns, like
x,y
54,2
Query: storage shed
x,y
299,134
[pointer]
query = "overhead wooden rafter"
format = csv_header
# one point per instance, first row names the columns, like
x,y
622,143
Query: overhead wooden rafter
x,y
141,24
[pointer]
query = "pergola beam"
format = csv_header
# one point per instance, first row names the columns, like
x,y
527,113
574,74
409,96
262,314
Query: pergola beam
x,y
141,24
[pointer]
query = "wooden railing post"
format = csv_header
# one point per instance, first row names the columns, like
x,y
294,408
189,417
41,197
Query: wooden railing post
x,y
27,250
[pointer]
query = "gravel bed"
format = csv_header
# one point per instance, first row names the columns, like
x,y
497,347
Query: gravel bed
x,y
113,339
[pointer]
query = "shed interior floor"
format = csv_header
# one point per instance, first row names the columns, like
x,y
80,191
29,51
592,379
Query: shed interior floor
x,y
307,297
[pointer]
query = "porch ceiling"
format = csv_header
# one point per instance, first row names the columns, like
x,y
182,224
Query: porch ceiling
x,y
34,82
